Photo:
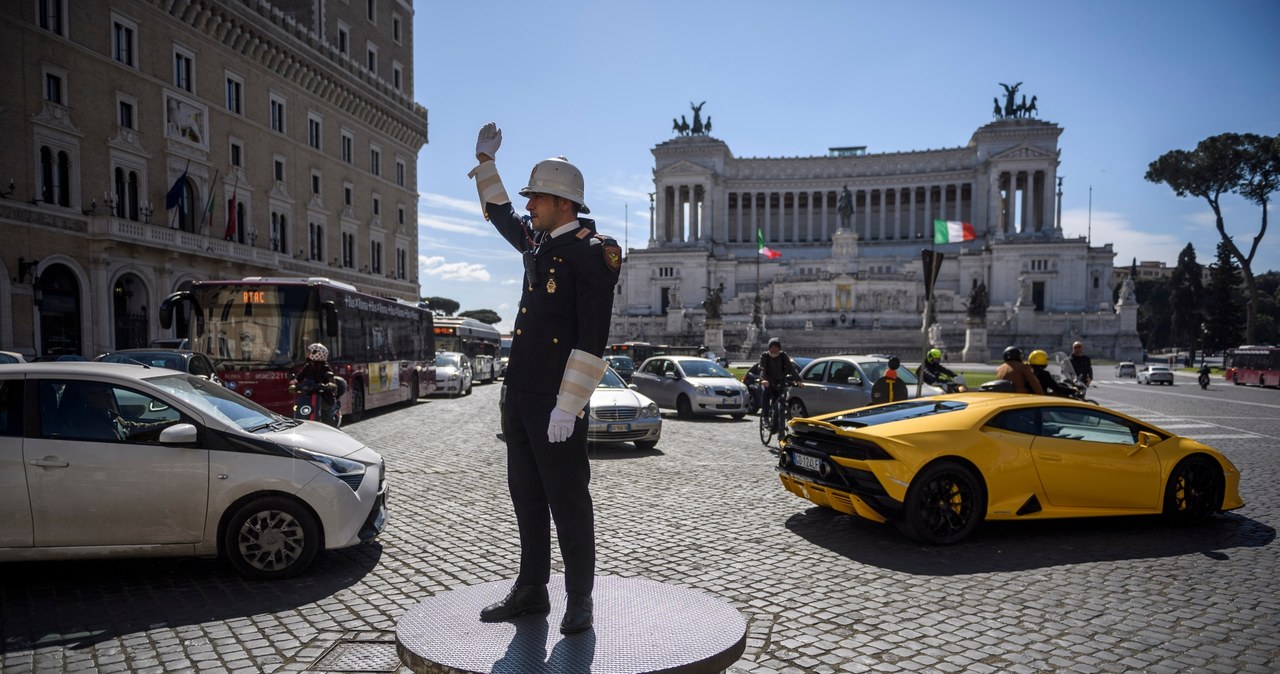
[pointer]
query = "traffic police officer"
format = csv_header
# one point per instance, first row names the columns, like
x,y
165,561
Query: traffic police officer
x,y
555,364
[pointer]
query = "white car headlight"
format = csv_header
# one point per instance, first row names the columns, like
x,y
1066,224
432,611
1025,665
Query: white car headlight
x,y
704,390
350,472
650,411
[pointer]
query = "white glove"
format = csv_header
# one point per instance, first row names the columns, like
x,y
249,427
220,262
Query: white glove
x,y
489,140
561,426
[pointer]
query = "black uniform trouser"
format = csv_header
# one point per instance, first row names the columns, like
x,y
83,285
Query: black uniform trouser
x,y
549,481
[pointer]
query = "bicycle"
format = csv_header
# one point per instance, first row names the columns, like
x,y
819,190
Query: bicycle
x,y
778,410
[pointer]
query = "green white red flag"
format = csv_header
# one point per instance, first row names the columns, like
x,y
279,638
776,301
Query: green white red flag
x,y
952,231
767,252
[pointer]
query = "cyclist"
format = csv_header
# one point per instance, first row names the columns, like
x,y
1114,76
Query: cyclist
x,y
775,367
932,371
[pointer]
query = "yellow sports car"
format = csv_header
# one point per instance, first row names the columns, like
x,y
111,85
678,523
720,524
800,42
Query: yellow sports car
x,y
939,466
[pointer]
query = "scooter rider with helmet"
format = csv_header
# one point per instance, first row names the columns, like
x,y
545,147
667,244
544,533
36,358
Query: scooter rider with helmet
x,y
1018,372
1039,362
932,371
316,376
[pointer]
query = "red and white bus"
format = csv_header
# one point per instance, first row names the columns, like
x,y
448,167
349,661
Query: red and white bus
x,y
257,330
1254,366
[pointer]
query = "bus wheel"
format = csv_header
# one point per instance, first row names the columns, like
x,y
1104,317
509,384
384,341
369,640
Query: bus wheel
x,y
357,402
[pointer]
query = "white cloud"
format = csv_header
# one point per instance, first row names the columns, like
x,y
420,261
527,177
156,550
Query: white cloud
x,y
445,223
448,203
436,266
510,282
628,194
1125,238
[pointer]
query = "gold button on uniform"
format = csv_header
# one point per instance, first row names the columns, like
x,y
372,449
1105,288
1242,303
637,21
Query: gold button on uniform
x,y
524,310
555,341
517,331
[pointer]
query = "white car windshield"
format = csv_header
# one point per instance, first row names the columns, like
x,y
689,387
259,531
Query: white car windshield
x,y
447,360
703,368
216,401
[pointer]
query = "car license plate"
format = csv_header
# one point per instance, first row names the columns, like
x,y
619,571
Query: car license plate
x,y
619,428
806,462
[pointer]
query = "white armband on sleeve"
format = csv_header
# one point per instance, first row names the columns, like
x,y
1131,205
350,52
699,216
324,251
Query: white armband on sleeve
x,y
489,185
581,375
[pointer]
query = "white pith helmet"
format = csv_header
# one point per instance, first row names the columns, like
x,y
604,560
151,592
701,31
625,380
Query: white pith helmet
x,y
557,176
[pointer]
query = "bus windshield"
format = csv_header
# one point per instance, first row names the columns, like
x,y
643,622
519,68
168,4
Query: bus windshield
x,y
249,326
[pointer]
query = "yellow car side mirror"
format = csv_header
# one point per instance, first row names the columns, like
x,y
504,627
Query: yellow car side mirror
x,y
1145,441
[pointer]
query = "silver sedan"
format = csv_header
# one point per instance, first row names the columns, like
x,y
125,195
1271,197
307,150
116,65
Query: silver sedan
x,y
836,383
691,385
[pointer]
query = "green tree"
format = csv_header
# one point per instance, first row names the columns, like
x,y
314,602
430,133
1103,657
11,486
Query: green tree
x,y
442,306
483,315
1222,330
1186,294
1155,324
1229,163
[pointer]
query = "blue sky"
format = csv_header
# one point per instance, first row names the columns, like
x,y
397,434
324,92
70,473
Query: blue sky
x,y
600,82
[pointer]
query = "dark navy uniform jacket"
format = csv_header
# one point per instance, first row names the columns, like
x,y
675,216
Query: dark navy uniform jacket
x,y
567,300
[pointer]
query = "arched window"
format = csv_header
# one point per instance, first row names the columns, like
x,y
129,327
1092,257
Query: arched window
x,y
317,241
62,186
133,195
126,192
242,223
46,174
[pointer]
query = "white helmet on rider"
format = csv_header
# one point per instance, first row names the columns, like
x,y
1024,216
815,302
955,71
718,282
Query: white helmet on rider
x,y
318,352
558,177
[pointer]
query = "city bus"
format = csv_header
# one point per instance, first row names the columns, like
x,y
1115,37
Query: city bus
x,y
641,351
469,336
1254,366
257,330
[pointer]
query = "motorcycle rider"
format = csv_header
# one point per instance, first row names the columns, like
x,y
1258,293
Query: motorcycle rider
x,y
317,376
932,371
1018,372
1081,365
1039,362
1204,375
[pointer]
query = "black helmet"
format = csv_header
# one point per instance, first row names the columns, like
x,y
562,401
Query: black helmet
x,y
1013,353
775,340
894,363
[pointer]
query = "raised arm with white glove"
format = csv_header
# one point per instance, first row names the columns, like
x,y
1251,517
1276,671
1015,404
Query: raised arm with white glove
x,y
488,182
488,142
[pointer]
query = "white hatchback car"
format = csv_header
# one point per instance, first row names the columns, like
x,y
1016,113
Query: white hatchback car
x,y
1155,374
116,460
453,373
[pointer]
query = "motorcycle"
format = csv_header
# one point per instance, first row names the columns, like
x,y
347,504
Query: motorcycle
x,y
1204,379
1067,381
955,385
312,402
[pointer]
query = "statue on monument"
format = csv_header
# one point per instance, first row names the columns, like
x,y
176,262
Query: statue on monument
x,y
978,302
697,118
1011,94
712,303
844,206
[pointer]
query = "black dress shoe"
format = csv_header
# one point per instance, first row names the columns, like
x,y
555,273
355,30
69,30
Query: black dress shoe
x,y
521,600
577,615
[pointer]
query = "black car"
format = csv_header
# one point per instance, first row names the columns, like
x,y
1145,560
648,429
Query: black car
x,y
623,365
182,360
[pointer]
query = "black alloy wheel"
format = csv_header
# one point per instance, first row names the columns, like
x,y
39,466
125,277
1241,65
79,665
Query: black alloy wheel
x,y
945,503
1194,491
684,408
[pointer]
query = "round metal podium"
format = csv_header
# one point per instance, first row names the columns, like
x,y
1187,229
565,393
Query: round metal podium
x,y
640,626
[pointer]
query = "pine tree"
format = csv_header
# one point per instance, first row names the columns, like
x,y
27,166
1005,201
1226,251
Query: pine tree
x,y
1186,294
1226,320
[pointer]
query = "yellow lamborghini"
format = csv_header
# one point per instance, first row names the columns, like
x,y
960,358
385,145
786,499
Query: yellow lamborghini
x,y
939,466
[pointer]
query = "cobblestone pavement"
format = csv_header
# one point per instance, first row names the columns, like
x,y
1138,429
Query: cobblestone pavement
x,y
822,592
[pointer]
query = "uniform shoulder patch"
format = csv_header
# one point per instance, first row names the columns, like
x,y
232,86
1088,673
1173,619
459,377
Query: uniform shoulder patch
x,y
583,233
612,251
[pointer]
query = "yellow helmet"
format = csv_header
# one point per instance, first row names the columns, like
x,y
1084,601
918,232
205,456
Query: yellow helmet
x,y
1038,357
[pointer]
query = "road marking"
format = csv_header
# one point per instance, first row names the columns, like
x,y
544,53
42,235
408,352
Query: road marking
x,y
1224,436
1173,426
1201,396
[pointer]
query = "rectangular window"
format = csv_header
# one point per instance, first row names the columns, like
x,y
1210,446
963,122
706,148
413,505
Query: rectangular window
x,y
400,215
315,184
277,114
126,115
183,71
371,10
53,88
123,42
278,170
313,132
51,15
395,28
237,158
372,59
348,145
375,161
344,39
397,76
235,95
346,195
400,172
377,206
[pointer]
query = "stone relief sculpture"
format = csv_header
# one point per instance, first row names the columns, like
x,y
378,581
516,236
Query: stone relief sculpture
x,y
185,121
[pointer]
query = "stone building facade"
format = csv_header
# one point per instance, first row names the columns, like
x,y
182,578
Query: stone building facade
x,y
125,121
852,281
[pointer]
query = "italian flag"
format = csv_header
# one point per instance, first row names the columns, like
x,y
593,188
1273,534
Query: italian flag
x,y
951,231
767,252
